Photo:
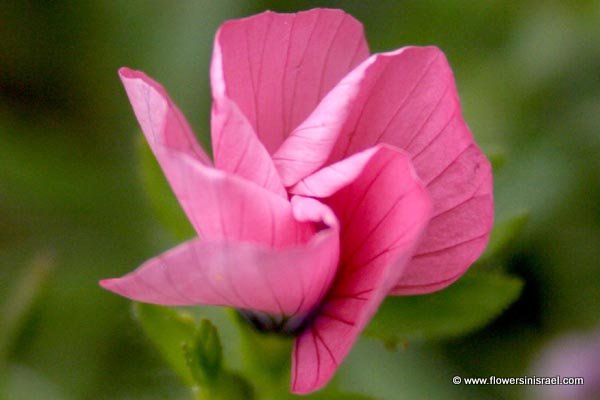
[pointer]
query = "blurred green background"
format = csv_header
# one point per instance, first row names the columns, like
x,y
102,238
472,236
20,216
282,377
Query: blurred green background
x,y
73,209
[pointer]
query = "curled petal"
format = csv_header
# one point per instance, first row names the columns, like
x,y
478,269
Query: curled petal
x,y
218,204
327,181
383,210
306,209
407,98
287,282
163,125
277,67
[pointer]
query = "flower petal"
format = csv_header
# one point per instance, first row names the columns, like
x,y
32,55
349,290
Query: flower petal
x,y
327,181
310,145
459,228
290,281
277,67
407,98
383,211
219,205
162,123
236,147
222,206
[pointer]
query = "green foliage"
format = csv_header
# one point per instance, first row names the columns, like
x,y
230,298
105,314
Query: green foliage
x,y
204,354
169,330
193,350
469,304
256,344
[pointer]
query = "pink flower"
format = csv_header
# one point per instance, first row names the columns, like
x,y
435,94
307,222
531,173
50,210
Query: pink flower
x,y
339,178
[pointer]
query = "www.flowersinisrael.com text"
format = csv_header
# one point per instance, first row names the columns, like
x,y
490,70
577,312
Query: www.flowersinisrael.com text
x,y
519,380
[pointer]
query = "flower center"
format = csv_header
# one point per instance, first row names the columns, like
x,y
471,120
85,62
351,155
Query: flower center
x,y
280,324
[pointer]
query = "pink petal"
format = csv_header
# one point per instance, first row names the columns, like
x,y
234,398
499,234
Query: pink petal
x,y
327,181
162,123
383,212
219,205
222,206
236,147
460,226
290,281
277,67
309,146
407,98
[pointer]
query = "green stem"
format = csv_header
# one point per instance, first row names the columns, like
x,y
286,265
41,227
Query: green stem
x,y
266,358
228,386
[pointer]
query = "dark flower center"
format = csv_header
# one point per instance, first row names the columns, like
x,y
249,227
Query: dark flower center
x,y
279,324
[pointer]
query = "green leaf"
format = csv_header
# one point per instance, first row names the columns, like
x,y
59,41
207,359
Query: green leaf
x,y
204,354
503,234
160,195
469,304
169,330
